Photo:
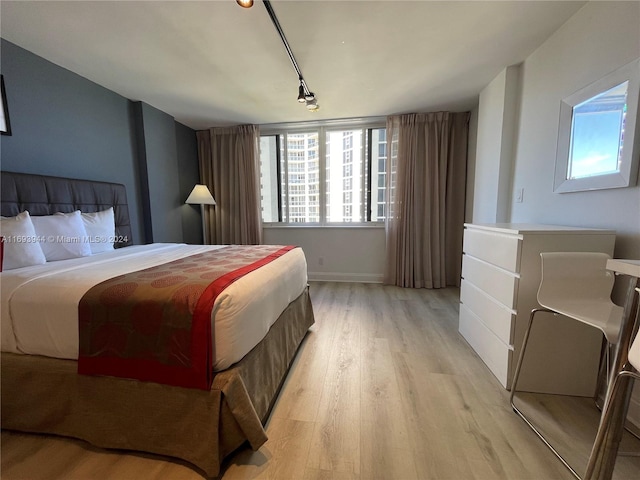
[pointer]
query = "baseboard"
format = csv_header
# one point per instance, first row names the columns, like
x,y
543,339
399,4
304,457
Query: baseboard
x,y
345,277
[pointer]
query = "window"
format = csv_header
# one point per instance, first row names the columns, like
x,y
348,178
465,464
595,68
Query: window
x,y
378,180
326,175
269,166
596,134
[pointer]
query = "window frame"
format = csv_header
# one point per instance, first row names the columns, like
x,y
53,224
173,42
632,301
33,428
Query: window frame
x,y
627,174
280,131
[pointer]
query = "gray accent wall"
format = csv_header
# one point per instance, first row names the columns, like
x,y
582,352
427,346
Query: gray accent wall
x,y
62,124
65,125
158,167
188,175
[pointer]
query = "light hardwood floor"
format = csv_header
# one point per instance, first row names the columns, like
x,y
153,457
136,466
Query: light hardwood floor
x,y
382,387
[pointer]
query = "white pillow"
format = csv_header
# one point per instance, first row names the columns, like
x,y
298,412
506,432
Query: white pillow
x,y
21,246
62,236
101,229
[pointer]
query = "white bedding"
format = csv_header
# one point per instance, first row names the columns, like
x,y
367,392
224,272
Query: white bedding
x,y
39,314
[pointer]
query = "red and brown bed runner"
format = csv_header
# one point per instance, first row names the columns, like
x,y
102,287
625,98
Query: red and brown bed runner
x,y
155,324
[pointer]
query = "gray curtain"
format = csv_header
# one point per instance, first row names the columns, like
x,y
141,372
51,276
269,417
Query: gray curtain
x,y
426,181
229,165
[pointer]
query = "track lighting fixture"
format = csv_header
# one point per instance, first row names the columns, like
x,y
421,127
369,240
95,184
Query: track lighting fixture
x,y
307,97
312,105
304,94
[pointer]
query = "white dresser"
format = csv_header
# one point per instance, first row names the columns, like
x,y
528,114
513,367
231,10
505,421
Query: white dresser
x,y
500,277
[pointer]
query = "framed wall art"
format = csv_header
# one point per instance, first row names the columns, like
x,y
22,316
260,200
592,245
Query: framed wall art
x,y
5,125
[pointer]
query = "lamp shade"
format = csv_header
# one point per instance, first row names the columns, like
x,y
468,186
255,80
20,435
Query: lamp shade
x,y
200,195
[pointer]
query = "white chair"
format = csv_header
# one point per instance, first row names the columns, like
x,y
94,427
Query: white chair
x,y
633,363
576,285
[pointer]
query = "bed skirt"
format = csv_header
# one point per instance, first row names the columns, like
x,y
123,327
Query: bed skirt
x,y
46,395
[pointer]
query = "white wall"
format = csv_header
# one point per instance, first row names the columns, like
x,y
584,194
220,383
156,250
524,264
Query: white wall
x,y
598,39
471,164
490,113
497,121
347,254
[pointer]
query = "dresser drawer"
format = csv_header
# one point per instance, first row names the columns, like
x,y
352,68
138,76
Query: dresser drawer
x,y
495,354
497,283
499,249
497,318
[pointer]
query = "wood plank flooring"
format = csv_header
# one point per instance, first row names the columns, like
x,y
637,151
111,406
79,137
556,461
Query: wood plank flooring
x,y
383,387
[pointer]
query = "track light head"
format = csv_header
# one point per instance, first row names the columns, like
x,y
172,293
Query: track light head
x,y
309,96
245,3
312,105
301,95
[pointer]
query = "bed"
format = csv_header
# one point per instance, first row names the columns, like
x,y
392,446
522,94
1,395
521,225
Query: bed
x,y
42,390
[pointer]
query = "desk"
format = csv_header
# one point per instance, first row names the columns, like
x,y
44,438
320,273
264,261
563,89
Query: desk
x,y
603,456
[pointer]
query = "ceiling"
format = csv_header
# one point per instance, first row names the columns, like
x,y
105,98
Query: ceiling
x,y
213,63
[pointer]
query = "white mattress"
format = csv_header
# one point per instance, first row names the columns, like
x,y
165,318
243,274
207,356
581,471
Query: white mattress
x,y
39,314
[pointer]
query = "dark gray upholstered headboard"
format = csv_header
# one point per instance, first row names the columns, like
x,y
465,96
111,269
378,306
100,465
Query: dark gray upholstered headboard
x,y
45,195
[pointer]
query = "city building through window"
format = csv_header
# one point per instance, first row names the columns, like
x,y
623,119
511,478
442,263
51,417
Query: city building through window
x,y
324,175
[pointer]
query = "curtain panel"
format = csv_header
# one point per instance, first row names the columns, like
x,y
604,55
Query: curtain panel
x,y
229,160
426,182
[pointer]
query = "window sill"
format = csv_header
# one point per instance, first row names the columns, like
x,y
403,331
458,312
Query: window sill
x,y
373,225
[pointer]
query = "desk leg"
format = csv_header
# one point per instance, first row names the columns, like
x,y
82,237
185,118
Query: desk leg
x,y
605,449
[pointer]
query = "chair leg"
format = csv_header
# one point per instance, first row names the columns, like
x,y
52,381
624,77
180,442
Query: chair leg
x,y
603,379
603,373
605,420
514,383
